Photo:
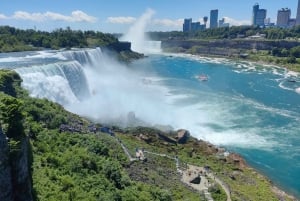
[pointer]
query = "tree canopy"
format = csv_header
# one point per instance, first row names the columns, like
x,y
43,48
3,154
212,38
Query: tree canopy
x,y
13,39
272,33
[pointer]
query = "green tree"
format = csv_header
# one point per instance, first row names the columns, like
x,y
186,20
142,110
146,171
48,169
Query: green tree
x,y
11,113
295,52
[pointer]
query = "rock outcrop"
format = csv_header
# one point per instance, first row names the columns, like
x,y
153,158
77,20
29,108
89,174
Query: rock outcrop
x,y
237,159
15,176
182,136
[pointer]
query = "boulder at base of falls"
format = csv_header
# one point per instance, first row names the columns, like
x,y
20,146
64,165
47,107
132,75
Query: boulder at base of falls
x,y
182,136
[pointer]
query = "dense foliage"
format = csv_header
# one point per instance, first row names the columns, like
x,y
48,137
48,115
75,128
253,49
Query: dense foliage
x,y
272,33
13,39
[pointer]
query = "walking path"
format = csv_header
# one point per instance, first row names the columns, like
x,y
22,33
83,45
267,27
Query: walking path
x,y
225,187
126,150
192,172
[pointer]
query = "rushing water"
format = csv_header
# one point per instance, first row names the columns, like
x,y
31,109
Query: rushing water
x,y
251,109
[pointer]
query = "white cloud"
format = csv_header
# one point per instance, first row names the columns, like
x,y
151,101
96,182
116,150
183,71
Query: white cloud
x,y
76,16
80,16
234,22
121,20
168,22
57,16
22,15
3,17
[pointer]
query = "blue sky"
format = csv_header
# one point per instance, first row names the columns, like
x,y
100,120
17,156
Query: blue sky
x,y
116,16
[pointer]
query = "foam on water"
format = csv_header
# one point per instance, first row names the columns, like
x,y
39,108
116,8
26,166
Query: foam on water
x,y
9,59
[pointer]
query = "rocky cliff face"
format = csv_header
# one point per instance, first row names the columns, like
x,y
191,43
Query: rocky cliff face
x,y
21,176
5,170
15,177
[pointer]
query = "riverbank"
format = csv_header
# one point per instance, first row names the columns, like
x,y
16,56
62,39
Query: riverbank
x,y
243,181
245,50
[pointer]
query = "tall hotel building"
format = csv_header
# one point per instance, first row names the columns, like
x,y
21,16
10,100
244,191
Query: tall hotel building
x,y
259,16
283,17
214,18
187,25
298,14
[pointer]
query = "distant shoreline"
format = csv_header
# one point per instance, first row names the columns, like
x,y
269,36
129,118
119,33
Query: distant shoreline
x,y
238,49
234,60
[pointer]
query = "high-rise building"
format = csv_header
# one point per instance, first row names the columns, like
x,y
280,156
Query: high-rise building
x,y
214,18
258,16
205,19
283,17
187,25
254,13
298,14
222,23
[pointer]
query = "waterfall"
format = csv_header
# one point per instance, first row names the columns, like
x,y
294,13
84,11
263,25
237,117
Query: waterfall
x,y
62,81
152,47
85,56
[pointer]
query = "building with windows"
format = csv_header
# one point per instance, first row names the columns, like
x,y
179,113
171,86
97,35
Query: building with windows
x,y
298,14
283,17
222,23
258,16
214,18
188,25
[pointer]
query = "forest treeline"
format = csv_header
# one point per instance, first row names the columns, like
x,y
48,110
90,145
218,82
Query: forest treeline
x,y
13,39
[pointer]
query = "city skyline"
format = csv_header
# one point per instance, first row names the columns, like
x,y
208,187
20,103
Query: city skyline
x,y
116,16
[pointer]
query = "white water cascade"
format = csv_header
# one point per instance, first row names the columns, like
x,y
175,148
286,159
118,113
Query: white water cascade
x,y
92,84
